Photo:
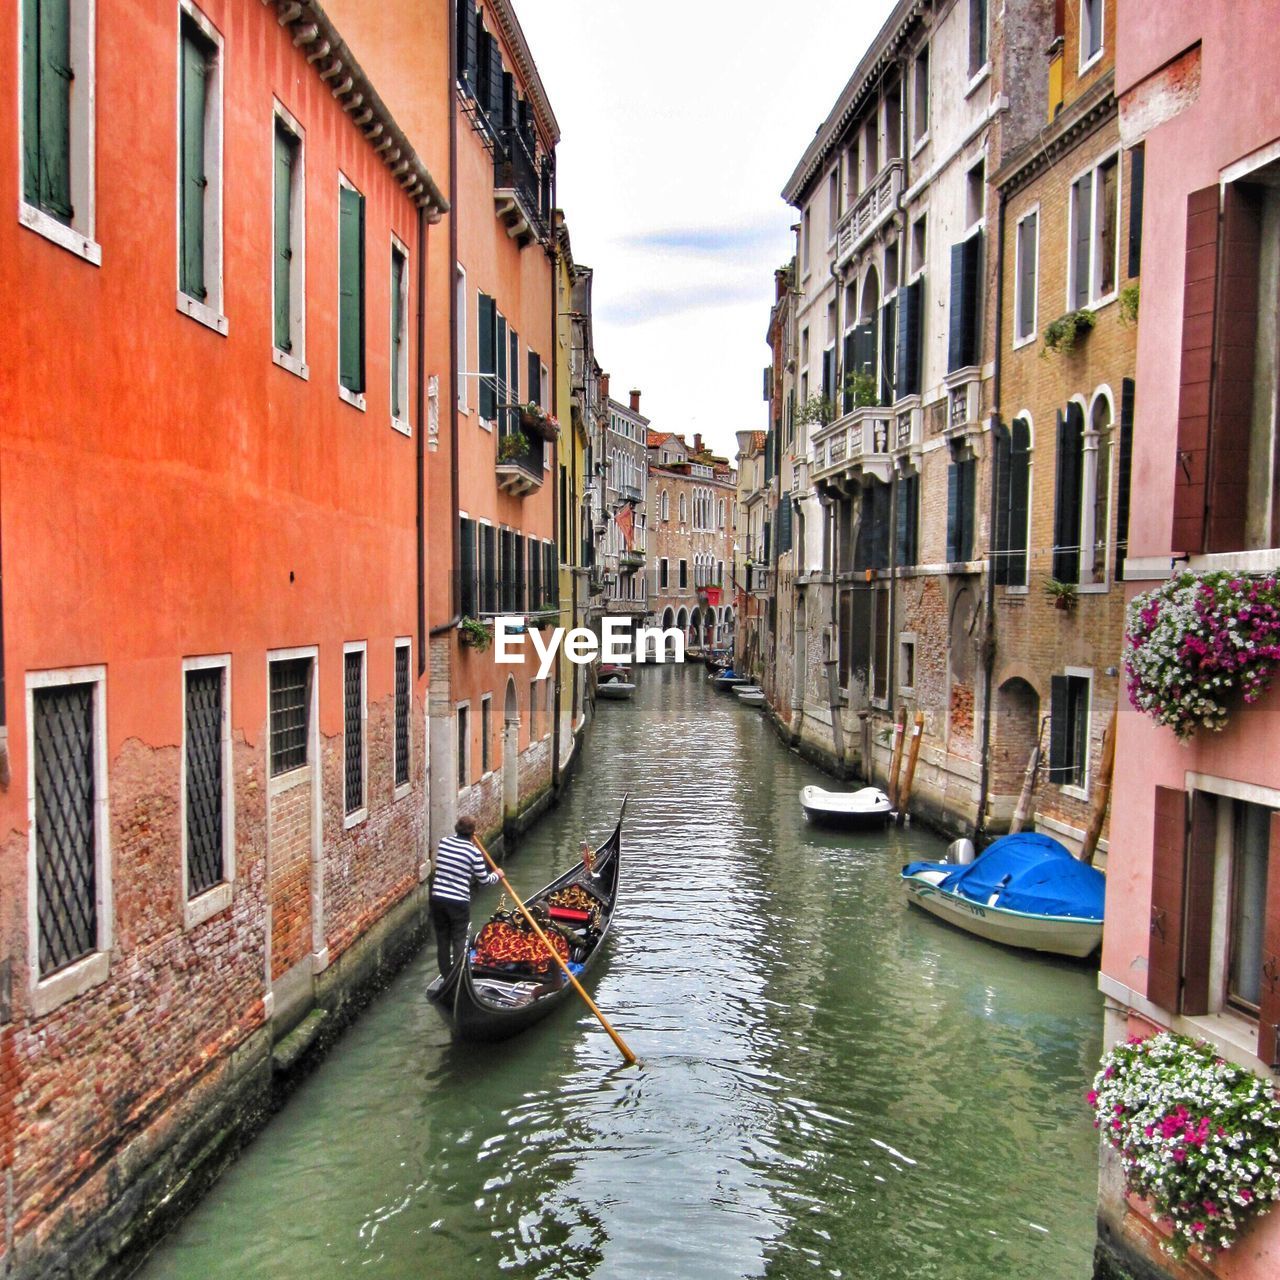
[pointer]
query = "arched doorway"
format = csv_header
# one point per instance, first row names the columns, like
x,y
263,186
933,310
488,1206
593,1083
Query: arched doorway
x,y
668,618
1017,732
511,753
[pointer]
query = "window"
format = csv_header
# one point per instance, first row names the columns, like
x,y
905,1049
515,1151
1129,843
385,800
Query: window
x,y
353,717
666,505
1090,31
57,70
1068,494
906,664
975,189
290,713
908,518
684,574
350,294
200,170
1069,729
977,36
1137,185
463,748
401,764
920,96
870,151
486,732
1215,911
288,257
964,348
893,121
961,501
207,826
488,545
533,711
1094,241
1027,254
1013,490
804,242
918,232
663,571
399,336
1095,494
68,850
684,510
833,200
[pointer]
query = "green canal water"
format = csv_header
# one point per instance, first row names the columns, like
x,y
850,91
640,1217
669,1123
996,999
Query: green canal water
x,y
832,1084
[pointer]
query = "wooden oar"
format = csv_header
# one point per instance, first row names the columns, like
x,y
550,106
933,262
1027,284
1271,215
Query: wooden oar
x,y
627,1056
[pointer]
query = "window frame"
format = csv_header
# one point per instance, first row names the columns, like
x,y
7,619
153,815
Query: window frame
x,y
461,720
77,236
295,359
356,399
919,139
401,789
1094,300
1086,62
1080,790
211,311
277,782
353,817
55,989
1025,339
486,734
218,897
399,380
460,302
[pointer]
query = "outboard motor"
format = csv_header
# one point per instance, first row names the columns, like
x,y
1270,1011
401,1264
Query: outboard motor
x,y
960,852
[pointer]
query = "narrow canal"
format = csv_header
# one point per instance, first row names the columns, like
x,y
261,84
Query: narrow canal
x,y
831,1084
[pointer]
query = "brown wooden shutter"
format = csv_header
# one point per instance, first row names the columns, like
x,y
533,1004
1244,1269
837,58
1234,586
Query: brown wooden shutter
x,y
1199,295
1198,916
1235,337
1168,880
1269,1001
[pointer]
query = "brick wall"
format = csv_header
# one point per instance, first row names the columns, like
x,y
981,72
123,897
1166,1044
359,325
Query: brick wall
x,y
289,840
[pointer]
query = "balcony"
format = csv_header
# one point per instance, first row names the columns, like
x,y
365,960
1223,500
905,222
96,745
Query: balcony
x,y
519,465
631,559
517,189
908,429
630,493
872,209
855,443
759,579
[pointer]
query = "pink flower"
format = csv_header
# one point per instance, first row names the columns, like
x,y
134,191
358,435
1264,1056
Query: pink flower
x,y
1092,1097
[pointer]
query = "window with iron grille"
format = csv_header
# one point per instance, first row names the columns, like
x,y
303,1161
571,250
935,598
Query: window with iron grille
x,y
402,715
353,736
66,835
486,732
204,793
290,713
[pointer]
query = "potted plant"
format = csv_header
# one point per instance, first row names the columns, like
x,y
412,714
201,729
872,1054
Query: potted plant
x,y
816,411
512,447
1199,644
535,418
861,389
1062,333
1063,594
1129,297
474,634
1198,1137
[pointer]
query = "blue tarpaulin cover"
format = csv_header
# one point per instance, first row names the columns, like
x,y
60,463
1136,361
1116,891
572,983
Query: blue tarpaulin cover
x,y
1029,872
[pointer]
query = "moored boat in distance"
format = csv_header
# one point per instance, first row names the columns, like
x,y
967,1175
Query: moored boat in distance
x,y
1026,890
866,807
751,695
494,1002
729,679
615,690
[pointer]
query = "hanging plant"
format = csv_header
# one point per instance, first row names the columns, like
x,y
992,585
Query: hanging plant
x,y
1063,594
1198,644
1198,1136
474,634
1129,297
1061,334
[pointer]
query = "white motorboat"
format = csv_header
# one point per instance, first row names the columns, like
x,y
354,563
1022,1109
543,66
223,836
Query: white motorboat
x,y
615,690
750,696
867,807
1026,890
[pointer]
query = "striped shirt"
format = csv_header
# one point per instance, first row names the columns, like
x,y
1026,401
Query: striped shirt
x,y
457,861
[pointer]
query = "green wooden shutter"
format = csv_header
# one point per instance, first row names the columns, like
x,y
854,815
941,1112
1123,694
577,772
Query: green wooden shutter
x,y
1003,482
521,603
1066,503
194,181
351,290
500,346
889,330
1124,477
488,569
955,315
513,383
467,593
1137,183
285,154
908,372
488,392
953,512
1082,211
46,106
1019,503
533,391
1059,731
969,506
397,332
850,367
535,577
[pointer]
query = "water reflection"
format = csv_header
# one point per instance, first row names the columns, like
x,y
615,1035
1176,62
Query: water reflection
x,y
830,1083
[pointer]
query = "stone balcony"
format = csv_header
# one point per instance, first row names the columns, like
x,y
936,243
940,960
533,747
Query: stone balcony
x,y
858,442
872,209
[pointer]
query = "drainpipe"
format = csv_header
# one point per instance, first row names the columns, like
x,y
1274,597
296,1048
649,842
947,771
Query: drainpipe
x,y
989,631
421,434
4,718
455,551
556,497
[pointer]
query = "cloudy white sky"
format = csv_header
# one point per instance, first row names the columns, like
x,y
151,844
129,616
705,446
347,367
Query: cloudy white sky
x,y
681,120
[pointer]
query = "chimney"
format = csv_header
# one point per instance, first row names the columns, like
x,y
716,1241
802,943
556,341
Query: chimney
x,y
604,386
697,442
635,401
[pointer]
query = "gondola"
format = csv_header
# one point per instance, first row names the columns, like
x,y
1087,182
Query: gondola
x,y
488,1004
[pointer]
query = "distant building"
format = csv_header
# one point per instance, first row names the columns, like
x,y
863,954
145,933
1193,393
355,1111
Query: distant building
x,y
623,550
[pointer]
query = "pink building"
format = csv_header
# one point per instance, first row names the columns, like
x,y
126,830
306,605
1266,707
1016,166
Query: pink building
x,y
1192,936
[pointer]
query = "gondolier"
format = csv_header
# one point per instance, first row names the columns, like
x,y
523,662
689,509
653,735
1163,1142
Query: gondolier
x,y
458,864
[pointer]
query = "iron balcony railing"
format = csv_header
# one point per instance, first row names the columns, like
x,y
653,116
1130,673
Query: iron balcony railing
x,y
869,211
515,169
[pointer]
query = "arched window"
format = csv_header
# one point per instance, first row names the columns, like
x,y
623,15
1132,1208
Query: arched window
x,y
1068,489
684,515
1013,480
665,506
1095,493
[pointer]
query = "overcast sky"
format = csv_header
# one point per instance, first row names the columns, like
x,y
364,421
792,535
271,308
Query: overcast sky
x,y
680,122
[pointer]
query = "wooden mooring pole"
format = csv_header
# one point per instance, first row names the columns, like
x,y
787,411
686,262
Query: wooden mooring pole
x,y
895,765
1023,810
1102,796
913,754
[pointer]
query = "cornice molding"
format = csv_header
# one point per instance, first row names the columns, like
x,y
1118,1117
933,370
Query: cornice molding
x,y
505,12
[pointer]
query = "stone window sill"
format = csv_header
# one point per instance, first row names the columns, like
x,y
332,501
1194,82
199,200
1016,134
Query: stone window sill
x,y
52,992
195,911
59,233
202,313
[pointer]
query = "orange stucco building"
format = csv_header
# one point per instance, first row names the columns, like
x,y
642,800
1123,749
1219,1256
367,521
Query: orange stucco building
x,y
225,344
